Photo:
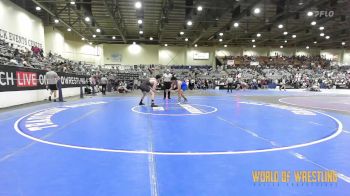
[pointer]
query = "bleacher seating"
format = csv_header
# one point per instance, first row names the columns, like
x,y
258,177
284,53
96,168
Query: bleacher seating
x,y
297,71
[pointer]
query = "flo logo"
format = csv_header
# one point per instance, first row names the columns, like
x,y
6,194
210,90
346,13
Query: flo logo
x,y
322,13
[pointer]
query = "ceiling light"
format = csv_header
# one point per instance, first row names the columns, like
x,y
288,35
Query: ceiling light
x,y
258,35
285,33
113,37
196,45
285,41
313,23
138,5
280,26
307,47
141,32
220,40
72,2
90,43
327,37
225,46
133,43
309,13
83,38
38,8
56,21
256,10
236,24
69,29
151,38
321,28
98,30
189,23
93,35
87,19
181,33
294,36
254,46
186,39
321,34
315,42
221,34
343,43
165,45
139,21
253,40
199,8
281,46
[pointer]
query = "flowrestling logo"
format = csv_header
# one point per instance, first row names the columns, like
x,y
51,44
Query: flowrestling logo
x,y
321,13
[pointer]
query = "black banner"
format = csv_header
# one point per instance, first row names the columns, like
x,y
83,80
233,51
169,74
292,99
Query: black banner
x,y
19,78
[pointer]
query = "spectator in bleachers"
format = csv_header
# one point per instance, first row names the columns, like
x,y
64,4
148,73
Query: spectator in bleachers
x,y
297,71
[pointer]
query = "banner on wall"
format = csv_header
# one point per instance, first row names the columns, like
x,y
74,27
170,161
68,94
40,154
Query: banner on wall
x,y
254,63
201,55
115,57
231,62
19,78
20,40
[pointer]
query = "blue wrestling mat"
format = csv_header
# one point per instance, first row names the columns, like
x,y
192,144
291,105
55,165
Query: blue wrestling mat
x,y
211,145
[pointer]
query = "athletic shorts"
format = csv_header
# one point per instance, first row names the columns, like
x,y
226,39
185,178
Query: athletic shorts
x,y
167,85
184,86
145,88
53,87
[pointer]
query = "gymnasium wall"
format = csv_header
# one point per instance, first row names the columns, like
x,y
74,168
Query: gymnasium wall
x,y
229,51
23,29
130,54
183,55
255,51
191,52
346,57
306,52
282,51
172,55
71,48
81,51
331,53
339,55
20,27
52,39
